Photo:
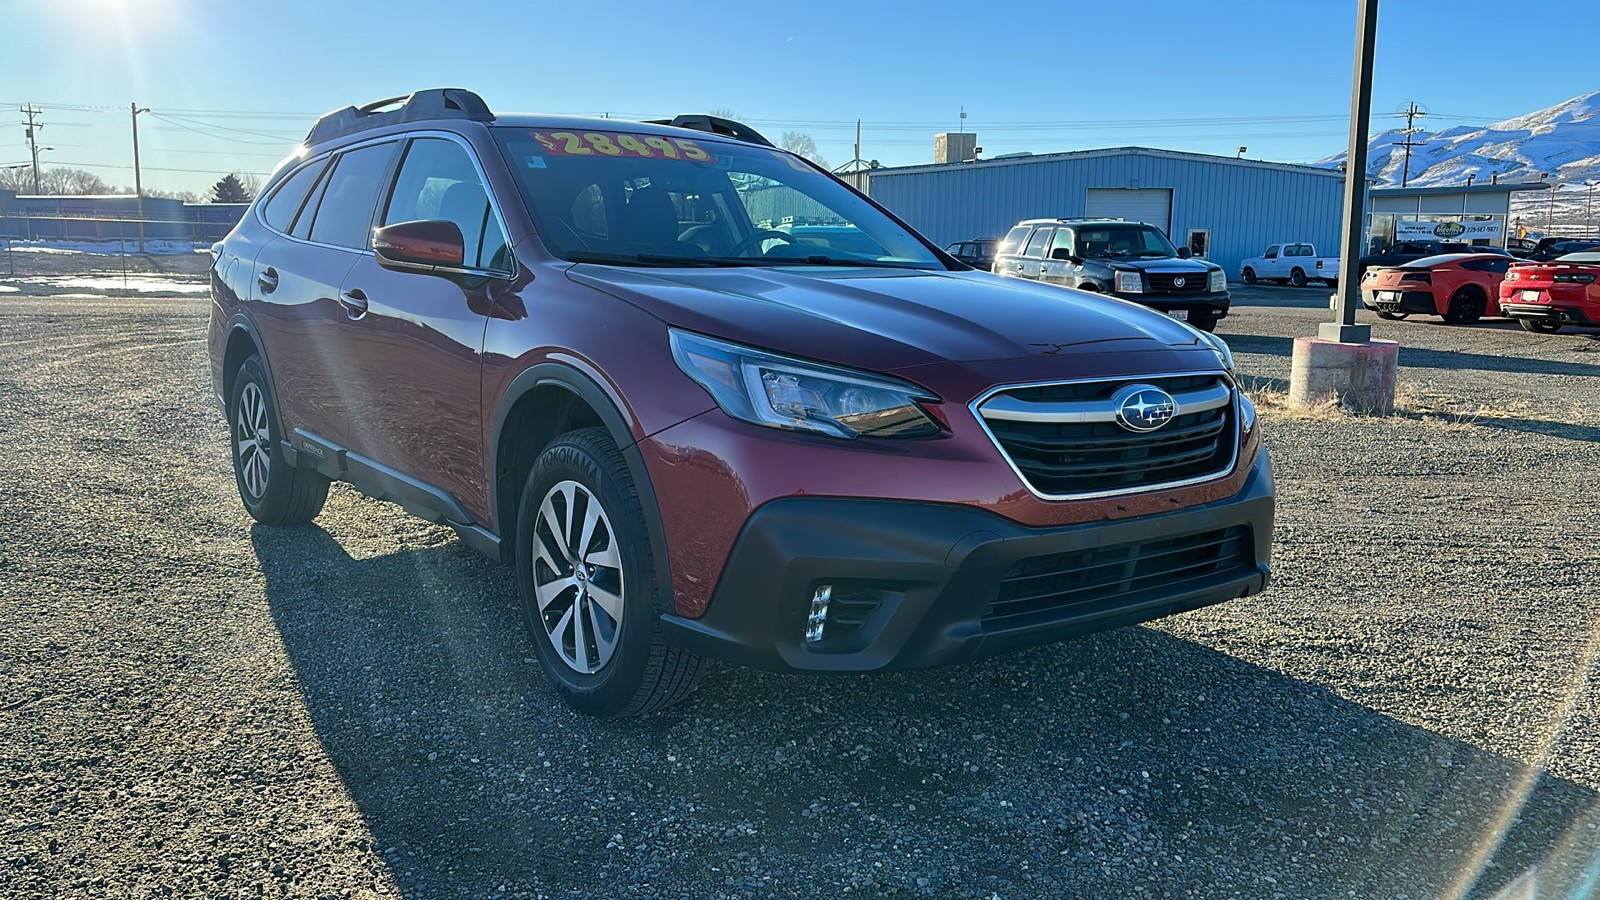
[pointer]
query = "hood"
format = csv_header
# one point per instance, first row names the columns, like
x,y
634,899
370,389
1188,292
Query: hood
x,y
1162,264
885,319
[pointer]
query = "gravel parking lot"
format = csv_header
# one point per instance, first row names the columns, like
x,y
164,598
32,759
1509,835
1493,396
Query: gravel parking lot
x,y
194,706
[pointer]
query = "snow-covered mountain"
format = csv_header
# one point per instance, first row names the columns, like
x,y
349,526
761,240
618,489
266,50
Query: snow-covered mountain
x,y
1563,140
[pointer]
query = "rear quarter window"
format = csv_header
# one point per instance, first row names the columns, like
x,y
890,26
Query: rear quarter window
x,y
284,204
1014,239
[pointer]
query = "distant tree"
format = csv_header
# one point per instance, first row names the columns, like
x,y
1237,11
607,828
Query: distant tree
x,y
19,180
803,144
230,190
55,180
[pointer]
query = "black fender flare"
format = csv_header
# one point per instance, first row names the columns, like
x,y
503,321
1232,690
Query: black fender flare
x,y
585,388
241,322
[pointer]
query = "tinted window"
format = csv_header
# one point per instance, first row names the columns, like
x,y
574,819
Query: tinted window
x,y
344,217
439,181
1037,242
1014,238
1272,252
285,203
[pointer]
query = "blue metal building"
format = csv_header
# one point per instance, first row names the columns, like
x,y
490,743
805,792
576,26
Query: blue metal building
x,y
1225,209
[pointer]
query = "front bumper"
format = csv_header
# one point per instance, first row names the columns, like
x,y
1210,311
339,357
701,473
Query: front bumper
x,y
915,585
1545,312
1198,304
1421,302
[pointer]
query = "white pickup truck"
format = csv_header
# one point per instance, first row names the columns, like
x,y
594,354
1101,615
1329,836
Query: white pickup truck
x,y
1291,263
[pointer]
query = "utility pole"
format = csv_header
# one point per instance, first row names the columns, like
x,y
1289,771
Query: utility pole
x,y
138,184
1412,113
33,141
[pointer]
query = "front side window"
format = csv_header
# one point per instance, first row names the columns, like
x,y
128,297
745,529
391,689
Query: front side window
x,y
1062,241
438,180
651,199
1124,242
1272,253
344,217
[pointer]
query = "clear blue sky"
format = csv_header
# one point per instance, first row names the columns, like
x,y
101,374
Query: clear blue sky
x,y
233,84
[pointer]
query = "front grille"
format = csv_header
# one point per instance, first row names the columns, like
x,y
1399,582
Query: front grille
x,y
1163,282
1086,452
1125,573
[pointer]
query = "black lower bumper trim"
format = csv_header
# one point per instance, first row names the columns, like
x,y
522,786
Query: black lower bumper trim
x,y
1540,312
913,585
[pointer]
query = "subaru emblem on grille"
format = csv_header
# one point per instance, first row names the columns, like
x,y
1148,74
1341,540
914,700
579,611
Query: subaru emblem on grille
x,y
1177,282
1141,407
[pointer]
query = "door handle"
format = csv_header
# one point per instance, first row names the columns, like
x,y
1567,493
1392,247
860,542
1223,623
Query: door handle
x,y
268,279
354,302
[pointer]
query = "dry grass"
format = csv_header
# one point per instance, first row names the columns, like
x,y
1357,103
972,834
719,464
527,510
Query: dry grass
x,y
1441,411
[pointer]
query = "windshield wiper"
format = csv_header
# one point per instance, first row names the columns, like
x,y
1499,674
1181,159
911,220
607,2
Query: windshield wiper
x,y
837,261
659,259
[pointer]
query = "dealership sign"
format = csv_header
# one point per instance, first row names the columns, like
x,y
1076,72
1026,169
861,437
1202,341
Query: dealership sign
x,y
1414,230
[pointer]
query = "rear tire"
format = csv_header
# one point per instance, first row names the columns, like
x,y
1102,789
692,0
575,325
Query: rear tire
x,y
1539,327
1249,275
273,492
1297,277
1466,306
587,577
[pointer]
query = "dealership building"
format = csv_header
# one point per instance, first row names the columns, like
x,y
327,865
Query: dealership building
x,y
1222,208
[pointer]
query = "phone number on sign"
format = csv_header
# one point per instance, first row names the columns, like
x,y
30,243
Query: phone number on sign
x,y
597,143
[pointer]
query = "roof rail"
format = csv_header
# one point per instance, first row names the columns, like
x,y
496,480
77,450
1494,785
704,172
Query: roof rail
x,y
1092,219
435,103
715,125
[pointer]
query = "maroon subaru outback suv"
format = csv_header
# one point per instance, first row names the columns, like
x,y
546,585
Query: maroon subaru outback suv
x,y
602,351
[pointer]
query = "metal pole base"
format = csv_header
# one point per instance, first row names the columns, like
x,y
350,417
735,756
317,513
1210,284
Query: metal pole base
x,y
1344,334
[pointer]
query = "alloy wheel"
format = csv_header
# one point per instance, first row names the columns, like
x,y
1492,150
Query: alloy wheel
x,y
252,441
577,577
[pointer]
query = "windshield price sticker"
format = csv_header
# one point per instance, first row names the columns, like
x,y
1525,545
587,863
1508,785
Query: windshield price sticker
x,y
602,143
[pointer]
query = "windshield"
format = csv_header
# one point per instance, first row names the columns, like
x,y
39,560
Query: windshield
x,y
646,199
1124,242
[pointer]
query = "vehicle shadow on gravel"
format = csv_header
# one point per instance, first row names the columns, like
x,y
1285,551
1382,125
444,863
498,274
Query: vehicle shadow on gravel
x,y
1127,760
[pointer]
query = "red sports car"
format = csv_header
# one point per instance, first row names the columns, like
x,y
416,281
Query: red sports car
x,y
1461,287
1543,297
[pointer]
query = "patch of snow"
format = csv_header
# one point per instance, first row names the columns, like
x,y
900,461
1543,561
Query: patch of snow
x,y
112,248
9,289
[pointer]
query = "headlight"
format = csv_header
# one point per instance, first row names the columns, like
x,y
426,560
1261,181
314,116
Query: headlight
x,y
1220,348
783,392
1217,281
1129,283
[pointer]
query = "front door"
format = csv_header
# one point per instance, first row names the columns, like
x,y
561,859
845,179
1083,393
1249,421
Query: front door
x,y
419,340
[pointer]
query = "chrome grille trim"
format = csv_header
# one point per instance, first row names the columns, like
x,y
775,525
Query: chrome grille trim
x,y
1013,410
977,405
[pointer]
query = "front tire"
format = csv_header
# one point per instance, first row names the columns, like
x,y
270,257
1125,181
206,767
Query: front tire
x,y
273,492
1205,323
588,577
1249,275
1538,327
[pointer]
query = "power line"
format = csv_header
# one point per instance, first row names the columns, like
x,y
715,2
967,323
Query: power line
x,y
1412,113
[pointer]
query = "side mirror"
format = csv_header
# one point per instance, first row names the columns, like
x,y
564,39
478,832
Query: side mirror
x,y
1185,253
1063,253
430,245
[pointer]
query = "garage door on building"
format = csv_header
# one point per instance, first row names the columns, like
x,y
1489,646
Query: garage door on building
x,y
1153,205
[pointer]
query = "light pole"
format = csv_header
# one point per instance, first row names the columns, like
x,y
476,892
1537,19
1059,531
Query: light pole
x,y
138,185
1588,213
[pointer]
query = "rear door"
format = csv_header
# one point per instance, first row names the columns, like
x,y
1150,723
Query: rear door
x,y
416,391
1031,263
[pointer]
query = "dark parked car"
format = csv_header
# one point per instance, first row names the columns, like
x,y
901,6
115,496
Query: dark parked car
x,y
584,345
1130,260
1552,248
978,252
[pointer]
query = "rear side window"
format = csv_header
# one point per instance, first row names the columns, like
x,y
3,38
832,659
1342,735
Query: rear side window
x,y
344,217
439,181
1037,242
286,201
1012,242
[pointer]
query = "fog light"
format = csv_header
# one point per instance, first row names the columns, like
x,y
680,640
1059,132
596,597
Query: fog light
x,y
819,613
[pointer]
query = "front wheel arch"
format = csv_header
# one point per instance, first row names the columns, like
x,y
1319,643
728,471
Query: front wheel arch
x,y
542,403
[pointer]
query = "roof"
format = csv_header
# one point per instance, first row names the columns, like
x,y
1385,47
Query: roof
x,y
1183,155
1502,188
